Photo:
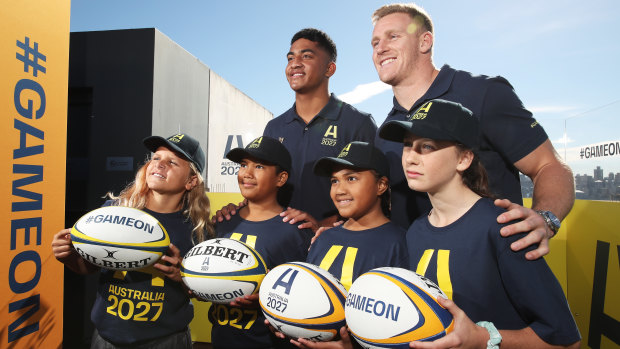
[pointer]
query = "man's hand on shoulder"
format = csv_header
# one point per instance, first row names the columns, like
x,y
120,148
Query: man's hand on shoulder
x,y
226,212
528,221
305,220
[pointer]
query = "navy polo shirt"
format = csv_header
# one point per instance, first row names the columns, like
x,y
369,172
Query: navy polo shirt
x,y
337,124
508,132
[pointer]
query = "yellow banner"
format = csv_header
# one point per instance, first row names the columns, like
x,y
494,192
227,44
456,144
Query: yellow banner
x,y
34,59
200,326
593,271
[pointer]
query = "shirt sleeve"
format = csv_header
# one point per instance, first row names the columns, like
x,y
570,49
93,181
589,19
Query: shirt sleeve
x,y
537,295
506,125
403,258
367,130
303,243
269,129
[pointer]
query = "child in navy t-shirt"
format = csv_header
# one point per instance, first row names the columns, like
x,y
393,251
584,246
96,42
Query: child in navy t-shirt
x,y
458,245
170,187
367,239
265,165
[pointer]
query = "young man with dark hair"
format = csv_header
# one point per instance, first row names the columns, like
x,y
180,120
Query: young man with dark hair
x,y
317,125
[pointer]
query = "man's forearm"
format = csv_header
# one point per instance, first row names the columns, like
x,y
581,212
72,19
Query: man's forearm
x,y
554,189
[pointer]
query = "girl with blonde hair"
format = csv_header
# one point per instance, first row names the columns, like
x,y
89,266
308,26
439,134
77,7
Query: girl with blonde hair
x,y
170,187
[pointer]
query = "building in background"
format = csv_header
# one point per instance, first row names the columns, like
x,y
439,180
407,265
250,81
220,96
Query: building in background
x,y
125,85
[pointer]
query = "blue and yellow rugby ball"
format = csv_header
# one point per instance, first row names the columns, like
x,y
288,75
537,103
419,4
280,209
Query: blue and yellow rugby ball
x,y
390,307
302,300
119,238
220,270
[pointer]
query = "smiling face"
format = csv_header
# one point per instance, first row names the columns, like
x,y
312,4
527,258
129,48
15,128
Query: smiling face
x,y
309,66
169,173
397,47
356,193
259,181
433,166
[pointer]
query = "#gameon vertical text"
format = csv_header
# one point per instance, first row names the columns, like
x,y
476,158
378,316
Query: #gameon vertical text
x,y
29,103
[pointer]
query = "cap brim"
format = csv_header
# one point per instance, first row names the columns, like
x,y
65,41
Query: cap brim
x,y
154,142
238,154
396,131
325,166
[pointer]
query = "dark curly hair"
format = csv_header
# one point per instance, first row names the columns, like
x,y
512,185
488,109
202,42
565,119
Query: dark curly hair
x,y
322,39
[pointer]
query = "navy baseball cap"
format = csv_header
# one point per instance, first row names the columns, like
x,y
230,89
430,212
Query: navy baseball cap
x,y
358,155
188,147
436,119
266,149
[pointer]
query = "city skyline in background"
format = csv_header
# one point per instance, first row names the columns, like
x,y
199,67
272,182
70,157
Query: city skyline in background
x,y
598,185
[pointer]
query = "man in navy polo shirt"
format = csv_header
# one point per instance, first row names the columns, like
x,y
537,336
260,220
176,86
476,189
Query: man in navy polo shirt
x,y
317,125
512,141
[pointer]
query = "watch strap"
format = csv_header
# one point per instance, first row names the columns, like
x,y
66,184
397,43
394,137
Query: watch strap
x,y
545,216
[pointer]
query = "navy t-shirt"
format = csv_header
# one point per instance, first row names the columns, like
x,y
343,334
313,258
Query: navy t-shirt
x,y
141,305
347,254
474,265
336,125
508,133
277,242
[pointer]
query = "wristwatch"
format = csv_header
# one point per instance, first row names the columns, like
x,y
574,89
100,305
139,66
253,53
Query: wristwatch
x,y
495,338
552,221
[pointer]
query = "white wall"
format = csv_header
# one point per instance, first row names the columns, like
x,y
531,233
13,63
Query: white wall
x,y
180,92
234,121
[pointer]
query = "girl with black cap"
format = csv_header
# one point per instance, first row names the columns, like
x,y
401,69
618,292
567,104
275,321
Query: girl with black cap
x,y
458,245
170,187
367,239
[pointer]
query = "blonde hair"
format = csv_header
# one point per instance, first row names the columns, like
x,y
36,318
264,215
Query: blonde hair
x,y
421,18
195,202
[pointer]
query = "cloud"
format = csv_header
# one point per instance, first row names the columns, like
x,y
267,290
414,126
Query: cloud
x,y
564,140
364,91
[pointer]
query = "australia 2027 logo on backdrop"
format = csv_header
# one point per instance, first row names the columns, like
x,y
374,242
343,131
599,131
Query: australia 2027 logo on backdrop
x,y
230,168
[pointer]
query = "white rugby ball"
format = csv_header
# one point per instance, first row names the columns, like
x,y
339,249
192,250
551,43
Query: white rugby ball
x,y
220,270
390,307
302,300
119,238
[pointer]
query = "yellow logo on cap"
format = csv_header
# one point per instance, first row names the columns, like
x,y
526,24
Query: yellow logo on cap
x,y
176,138
255,143
344,151
421,113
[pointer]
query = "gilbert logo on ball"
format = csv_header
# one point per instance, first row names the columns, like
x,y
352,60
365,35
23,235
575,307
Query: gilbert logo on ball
x,y
302,300
119,238
390,307
220,270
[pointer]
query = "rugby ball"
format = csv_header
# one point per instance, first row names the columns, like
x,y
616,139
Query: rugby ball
x,y
302,300
220,270
119,238
390,307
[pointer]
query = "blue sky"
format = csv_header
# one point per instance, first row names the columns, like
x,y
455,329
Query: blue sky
x,y
560,56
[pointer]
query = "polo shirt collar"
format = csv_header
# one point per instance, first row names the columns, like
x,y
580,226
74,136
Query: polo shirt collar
x,y
330,111
438,88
